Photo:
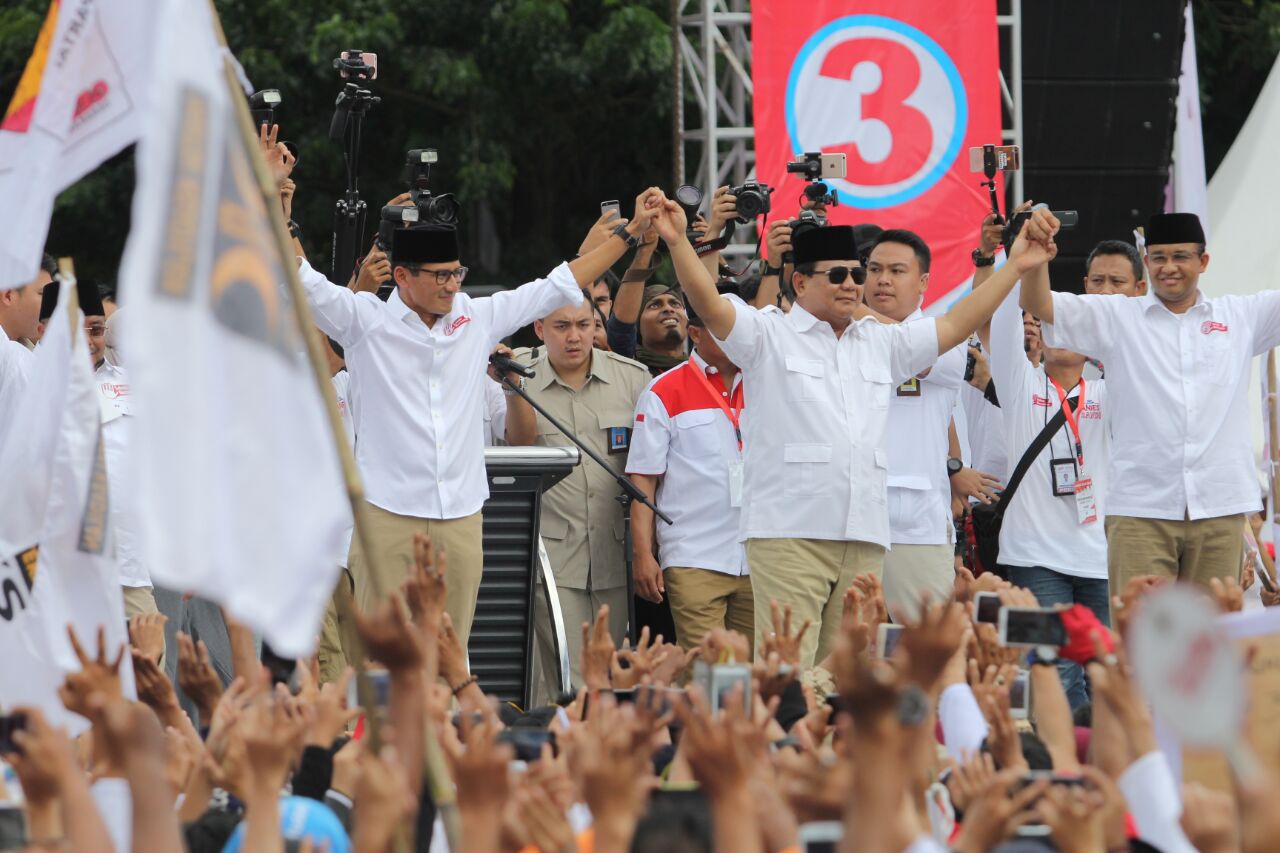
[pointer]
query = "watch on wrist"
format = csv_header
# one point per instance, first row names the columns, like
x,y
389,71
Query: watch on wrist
x,y
981,260
772,270
632,240
913,706
953,466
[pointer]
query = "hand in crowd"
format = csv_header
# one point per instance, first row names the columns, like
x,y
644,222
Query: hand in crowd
x,y
374,272
280,160
778,241
146,634
197,677
724,207
982,487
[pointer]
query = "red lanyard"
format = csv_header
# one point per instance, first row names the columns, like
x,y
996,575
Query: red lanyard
x,y
1073,418
734,415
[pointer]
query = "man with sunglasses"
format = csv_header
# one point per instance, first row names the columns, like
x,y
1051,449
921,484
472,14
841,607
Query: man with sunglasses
x,y
418,366
820,379
1182,475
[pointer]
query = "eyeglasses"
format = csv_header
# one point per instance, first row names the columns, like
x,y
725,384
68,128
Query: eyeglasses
x,y
443,276
1182,259
95,330
837,275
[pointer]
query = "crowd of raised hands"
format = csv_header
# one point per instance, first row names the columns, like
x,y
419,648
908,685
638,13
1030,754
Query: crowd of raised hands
x,y
919,748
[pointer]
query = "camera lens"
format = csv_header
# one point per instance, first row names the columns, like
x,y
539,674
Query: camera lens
x,y
689,196
442,209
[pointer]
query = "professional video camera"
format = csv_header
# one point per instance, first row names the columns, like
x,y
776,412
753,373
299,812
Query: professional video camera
x,y
425,208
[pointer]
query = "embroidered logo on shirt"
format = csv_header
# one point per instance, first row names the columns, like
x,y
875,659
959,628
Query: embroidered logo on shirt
x,y
115,390
1092,411
1037,400
456,325
1211,326
640,417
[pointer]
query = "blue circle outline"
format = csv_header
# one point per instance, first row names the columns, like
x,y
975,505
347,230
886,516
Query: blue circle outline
x,y
959,95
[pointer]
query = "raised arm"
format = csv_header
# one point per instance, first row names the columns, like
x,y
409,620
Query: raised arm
x,y
340,313
699,286
589,267
1033,248
1036,296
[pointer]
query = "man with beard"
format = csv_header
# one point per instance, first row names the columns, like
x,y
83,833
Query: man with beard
x,y
1182,475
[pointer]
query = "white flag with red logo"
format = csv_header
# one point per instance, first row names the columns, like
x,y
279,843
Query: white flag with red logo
x,y
235,462
78,102
56,556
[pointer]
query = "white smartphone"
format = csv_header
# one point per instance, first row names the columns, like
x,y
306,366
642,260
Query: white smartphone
x,y
834,166
887,637
821,836
1020,695
1031,626
610,207
986,607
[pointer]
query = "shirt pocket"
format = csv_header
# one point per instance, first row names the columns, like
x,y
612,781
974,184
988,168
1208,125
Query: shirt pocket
x,y
696,433
804,378
615,427
553,527
1214,354
877,380
805,469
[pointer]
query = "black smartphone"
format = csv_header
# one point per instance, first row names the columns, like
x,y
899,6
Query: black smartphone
x,y
10,723
986,607
528,742
282,669
1031,626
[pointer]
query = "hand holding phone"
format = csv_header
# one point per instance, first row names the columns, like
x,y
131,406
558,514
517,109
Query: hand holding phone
x,y
610,210
1030,627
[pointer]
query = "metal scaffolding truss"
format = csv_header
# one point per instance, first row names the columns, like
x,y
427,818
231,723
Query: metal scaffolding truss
x,y
715,137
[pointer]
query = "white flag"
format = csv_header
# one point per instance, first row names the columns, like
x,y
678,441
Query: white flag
x,y
236,466
65,574
1188,190
79,101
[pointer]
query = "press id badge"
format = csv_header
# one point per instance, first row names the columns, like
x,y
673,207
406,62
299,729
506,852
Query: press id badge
x,y
735,483
1086,506
1064,477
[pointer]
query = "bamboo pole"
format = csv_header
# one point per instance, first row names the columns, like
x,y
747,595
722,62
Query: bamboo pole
x,y
1273,449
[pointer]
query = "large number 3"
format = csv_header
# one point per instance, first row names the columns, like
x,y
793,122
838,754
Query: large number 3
x,y
893,138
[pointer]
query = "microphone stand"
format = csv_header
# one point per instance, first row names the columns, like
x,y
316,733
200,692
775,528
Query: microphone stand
x,y
629,492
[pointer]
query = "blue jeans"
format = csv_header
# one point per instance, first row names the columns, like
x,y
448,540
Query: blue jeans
x,y
1052,588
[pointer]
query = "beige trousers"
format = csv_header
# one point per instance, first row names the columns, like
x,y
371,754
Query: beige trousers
x,y
811,575
1184,550
577,607
702,600
392,536
139,600
914,571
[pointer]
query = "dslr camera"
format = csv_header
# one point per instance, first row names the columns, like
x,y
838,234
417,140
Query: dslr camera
x,y
424,208
753,201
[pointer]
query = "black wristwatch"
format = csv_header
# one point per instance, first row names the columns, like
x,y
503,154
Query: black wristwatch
x,y
981,260
632,240
913,706
953,466
768,270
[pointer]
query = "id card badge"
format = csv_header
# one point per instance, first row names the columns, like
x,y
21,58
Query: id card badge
x,y
1086,506
735,483
1064,477
910,388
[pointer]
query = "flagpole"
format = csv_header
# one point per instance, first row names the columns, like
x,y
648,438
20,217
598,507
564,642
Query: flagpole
x,y
436,775
1273,449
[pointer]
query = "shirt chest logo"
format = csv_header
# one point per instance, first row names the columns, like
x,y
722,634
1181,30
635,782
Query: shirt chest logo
x,y
1037,400
1208,327
114,390
456,325
1092,411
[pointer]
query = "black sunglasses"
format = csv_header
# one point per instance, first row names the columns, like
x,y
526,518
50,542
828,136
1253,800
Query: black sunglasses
x,y
837,275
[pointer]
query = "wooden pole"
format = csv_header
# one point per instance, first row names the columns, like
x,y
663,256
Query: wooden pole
x,y
1273,448
435,772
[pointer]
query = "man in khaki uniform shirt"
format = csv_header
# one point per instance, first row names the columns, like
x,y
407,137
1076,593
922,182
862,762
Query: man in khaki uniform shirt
x,y
593,393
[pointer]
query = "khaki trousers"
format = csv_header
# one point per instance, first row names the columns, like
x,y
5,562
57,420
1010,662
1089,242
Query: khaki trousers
x,y
142,599
702,600
914,571
811,575
332,652
392,536
1183,550
577,607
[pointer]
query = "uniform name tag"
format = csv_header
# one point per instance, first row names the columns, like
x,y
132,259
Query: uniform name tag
x,y
1064,477
619,439
910,388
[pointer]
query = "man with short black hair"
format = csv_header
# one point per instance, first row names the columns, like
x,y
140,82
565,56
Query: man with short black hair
x,y
417,364
1182,474
1114,266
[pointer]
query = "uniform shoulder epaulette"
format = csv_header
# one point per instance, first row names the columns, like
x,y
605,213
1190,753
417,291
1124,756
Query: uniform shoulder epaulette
x,y
630,362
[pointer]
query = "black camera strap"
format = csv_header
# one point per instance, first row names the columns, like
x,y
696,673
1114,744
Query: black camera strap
x,y
1038,444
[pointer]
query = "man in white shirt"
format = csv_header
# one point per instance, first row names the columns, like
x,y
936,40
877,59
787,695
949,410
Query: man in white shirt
x,y
1052,543
1182,475
820,378
686,455
417,365
1114,266
921,557
19,330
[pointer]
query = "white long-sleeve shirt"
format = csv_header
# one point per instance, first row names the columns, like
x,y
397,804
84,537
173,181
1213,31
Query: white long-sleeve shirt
x,y
416,391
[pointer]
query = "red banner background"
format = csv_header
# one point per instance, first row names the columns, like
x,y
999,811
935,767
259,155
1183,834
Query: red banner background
x,y
904,89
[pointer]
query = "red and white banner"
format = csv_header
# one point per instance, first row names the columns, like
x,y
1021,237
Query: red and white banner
x,y
902,87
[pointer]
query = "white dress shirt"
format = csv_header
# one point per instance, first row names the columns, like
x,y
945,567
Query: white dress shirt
x,y
919,428
1180,425
981,429
1040,529
116,407
495,414
15,363
682,435
342,392
815,430
416,391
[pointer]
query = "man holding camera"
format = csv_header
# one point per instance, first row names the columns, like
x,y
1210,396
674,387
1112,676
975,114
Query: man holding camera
x,y
820,379
1182,473
417,365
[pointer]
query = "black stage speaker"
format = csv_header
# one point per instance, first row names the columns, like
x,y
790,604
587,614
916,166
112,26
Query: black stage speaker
x,y
1099,89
